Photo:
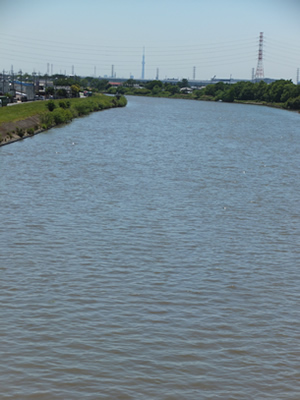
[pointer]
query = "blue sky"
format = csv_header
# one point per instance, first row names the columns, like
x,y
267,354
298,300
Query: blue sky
x,y
217,37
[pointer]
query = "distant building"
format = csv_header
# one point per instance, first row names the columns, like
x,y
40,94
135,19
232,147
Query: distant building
x,y
41,85
186,90
116,84
24,90
4,87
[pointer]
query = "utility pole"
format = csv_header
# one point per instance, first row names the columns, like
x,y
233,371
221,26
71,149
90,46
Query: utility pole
x,y
297,83
13,79
143,64
20,72
194,73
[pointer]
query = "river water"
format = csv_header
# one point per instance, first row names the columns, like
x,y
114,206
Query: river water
x,y
152,252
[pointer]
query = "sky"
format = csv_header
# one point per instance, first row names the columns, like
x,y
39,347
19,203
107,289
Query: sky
x,y
180,38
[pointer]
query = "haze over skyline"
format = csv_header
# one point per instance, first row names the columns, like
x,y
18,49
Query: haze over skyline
x,y
216,37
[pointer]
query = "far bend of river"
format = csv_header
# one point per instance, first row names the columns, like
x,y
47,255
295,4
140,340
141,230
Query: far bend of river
x,y
152,252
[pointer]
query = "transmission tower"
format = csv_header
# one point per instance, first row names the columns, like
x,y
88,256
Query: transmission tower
x,y
297,83
260,68
194,73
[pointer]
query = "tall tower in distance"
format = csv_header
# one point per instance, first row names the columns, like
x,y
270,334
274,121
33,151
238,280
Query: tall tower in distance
x,y
143,64
260,68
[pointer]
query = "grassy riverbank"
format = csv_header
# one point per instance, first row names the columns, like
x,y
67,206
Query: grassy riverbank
x,y
26,119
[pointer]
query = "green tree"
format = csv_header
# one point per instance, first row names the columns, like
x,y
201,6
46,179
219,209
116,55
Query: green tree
x,y
275,91
288,92
156,90
130,83
62,93
75,89
184,83
210,90
49,90
228,94
260,89
173,89
293,103
150,85
247,91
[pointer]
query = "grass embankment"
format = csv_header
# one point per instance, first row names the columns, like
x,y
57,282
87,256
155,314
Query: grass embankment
x,y
27,119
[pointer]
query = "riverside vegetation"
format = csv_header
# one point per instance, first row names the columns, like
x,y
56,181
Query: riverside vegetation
x,y
27,119
282,93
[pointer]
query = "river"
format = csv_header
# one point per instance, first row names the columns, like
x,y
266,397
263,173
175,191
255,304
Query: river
x,y
152,252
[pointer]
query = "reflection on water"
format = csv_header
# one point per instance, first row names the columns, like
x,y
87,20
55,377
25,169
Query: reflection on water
x,y
152,252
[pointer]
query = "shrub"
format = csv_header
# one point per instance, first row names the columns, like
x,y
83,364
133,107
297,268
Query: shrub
x,y
50,105
82,108
63,104
61,116
293,103
58,116
20,132
30,131
47,120
68,115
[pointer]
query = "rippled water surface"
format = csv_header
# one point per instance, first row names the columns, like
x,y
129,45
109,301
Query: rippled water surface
x,y
152,252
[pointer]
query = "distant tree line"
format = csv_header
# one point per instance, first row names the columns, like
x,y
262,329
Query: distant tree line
x,y
282,93
95,84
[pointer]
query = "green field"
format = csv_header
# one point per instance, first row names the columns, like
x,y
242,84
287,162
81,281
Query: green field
x,y
22,111
26,119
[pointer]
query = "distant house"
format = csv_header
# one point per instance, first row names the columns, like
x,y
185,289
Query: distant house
x,y
41,87
115,84
186,90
